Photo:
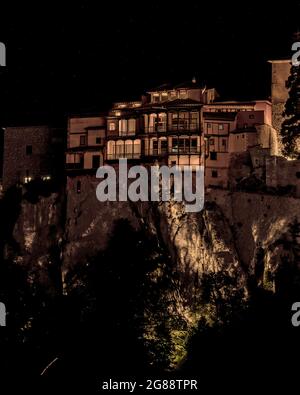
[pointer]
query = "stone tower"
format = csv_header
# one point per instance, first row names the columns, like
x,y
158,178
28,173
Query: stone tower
x,y
279,91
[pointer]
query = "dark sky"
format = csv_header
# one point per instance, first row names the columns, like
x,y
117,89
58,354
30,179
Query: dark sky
x,y
83,57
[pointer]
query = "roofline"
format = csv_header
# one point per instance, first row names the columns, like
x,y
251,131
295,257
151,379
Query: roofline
x,y
239,102
279,61
87,115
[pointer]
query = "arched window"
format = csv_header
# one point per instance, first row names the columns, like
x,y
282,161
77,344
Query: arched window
x,y
137,148
111,149
119,149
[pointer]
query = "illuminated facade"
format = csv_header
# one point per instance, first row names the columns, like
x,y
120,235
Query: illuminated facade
x,y
170,125
85,143
166,127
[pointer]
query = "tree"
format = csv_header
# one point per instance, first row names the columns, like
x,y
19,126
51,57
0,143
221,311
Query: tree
x,y
290,130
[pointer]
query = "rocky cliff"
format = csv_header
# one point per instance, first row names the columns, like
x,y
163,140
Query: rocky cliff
x,y
239,242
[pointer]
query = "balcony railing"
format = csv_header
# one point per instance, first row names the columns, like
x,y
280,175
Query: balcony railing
x,y
172,150
122,155
155,152
171,128
116,133
164,128
186,150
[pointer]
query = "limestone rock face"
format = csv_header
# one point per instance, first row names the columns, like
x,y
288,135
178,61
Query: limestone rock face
x,y
198,243
268,138
238,235
37,239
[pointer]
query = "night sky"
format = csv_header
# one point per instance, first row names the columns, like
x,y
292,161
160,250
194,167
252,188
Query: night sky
x,y
82,58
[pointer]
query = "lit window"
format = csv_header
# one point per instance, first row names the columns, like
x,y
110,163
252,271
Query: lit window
x,y
112,126
182,93
123,126
156,98
221,126
209,125
27,180
131,125
173,95
164,96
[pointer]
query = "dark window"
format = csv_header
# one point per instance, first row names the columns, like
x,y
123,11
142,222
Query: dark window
x,y
251,116
245,125
211,141
173,163
224,142
82,140
28,149
193,143
213,155
174,145
98,140
155,144
214,173
96,161
181,145
209,125
298,174
78,186
164,145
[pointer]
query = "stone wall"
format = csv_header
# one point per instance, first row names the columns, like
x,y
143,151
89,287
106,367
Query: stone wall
x,y
45,157
281,172
256,219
